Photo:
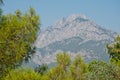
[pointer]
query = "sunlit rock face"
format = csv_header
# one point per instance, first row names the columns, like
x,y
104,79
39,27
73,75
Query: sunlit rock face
x,y
75,35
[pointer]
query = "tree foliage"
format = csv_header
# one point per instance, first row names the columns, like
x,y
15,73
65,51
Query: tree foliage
x,y
75,69
67,69
114,51
17,34
42,69
78,68
59,72
99,70
23,74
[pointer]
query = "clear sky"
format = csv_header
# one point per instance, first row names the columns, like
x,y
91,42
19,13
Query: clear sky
x,y
104,12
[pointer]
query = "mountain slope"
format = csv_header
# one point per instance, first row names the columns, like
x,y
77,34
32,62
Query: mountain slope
x,y
75,34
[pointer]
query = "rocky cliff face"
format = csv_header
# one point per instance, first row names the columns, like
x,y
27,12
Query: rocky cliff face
x,y
75,34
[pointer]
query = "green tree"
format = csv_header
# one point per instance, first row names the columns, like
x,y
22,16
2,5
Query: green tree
x,y
17,35
99,70
114,51
66,69
60,71
63,59
22,74
78,68
42,69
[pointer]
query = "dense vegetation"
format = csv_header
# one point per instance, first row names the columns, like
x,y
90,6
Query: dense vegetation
x,y
114,51
18,32
67,69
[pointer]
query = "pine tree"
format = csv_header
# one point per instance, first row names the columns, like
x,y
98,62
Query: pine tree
x,y
114,51
17,35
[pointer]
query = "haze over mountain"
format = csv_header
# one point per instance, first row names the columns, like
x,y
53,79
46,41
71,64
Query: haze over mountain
x,y
75,34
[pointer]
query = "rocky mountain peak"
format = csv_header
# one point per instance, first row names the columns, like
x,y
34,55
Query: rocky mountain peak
x,y
75,34
76,16
70,19
74,25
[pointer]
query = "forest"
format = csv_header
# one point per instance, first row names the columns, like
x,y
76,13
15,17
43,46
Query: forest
x,y
18,32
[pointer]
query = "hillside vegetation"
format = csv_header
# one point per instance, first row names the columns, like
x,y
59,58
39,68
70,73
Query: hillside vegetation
x,y
18,32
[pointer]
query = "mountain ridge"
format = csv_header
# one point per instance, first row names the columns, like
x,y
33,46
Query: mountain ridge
x,y
84,26
77,30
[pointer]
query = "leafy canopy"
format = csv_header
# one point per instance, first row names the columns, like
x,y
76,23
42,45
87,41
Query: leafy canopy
x,y
114,51
18,32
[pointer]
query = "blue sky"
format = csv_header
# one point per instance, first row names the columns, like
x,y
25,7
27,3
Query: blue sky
x,y
104,12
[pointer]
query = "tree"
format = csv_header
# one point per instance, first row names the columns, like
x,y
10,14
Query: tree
x,y
63,59
22,74
99,70
78,68
114,51
67,69
60,71
17,35
42,69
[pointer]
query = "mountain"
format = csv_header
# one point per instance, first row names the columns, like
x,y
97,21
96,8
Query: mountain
x,y
75,34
